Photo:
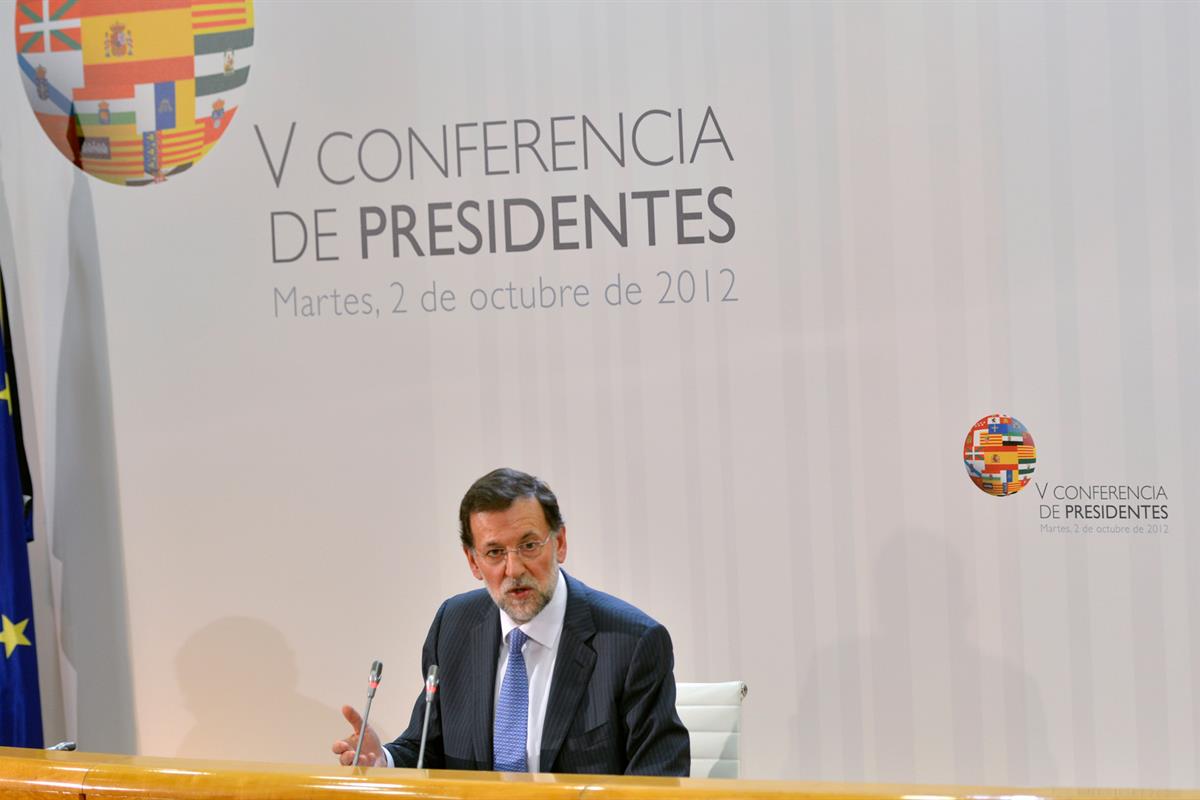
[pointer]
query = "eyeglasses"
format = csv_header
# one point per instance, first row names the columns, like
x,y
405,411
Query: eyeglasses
x,y
527,551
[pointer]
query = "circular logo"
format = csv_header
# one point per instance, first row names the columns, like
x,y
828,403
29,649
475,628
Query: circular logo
x,y
134,92
999,454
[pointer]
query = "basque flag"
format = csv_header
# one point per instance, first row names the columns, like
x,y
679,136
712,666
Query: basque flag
x,y
20,700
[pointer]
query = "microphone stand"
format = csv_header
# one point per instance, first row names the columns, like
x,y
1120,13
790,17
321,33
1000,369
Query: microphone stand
x,y
372,684
431,684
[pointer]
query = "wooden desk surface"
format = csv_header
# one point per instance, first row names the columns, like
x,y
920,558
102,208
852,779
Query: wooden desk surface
x,y
41,775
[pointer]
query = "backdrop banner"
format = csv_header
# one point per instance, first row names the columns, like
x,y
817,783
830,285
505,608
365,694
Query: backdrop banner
x,y
859,342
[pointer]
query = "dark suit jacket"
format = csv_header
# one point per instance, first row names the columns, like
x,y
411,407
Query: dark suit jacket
x,y
612,694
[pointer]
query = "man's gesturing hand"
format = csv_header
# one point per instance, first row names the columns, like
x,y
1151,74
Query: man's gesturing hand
x,y
372,748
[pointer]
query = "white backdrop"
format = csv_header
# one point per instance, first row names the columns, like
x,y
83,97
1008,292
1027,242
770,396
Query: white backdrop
x,y
939,211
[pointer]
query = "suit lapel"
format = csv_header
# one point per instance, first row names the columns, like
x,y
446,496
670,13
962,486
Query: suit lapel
x,y
572,671
485,650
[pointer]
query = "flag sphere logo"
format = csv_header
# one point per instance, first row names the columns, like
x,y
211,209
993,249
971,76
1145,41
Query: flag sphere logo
x,y
999,454
132,92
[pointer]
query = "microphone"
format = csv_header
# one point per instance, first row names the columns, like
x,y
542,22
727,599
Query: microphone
x,y
372,685
431,687
373,680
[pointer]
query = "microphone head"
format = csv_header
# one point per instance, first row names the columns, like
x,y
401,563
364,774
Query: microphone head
x,y
431,681
373,681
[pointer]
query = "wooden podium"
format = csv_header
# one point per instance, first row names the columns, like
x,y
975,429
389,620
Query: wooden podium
x,y
43,775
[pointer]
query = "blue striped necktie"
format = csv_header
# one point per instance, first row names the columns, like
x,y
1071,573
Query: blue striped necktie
x,y
512,710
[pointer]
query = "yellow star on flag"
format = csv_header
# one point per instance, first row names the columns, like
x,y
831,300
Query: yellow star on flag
x,y
12,635
6,394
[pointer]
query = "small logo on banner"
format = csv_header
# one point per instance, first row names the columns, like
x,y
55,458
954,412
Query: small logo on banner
x,y
134,92
999,454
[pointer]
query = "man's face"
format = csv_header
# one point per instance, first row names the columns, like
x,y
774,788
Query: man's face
x,y
521,588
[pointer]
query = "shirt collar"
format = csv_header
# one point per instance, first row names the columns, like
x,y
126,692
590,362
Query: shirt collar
x,y
548,624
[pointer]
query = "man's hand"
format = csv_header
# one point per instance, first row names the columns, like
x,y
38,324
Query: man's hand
x,y
372,748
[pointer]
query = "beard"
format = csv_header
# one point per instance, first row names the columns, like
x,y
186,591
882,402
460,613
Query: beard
x,y
525,608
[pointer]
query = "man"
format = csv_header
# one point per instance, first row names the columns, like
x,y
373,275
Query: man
x,y
539,673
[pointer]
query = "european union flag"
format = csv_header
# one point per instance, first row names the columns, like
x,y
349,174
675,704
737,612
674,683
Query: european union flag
x,y
20,700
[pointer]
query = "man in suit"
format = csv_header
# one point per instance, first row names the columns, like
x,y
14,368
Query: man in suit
x,y
539,673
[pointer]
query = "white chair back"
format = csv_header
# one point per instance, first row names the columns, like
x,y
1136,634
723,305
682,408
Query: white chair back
x,y
712,713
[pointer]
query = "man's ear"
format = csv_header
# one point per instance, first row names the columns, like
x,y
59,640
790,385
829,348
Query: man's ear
x,y
473,564
561,539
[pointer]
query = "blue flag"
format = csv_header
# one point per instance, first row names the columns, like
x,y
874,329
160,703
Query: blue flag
x,y
20,700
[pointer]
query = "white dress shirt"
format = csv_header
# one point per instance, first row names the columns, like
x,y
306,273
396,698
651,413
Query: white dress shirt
x,y
540,651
